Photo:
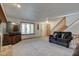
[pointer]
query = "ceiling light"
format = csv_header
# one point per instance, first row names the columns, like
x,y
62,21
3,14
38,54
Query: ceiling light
x,y
19,6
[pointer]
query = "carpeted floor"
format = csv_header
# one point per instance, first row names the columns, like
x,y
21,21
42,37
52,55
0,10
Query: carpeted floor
x,y
40,47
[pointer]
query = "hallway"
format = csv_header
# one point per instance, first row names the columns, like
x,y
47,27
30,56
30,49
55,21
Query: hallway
x,y
40,47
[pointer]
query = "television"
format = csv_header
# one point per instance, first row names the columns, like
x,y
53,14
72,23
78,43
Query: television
x,y
12,27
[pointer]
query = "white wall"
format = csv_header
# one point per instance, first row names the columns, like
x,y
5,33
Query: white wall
x,y
71,18
37,32
42,26
1,34
75,27
52,24
2,30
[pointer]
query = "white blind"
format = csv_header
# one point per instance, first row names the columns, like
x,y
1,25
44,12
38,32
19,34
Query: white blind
x,y
27,28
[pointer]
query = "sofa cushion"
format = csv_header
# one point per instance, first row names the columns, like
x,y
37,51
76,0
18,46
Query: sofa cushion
x,y
55,35
59,35
65,36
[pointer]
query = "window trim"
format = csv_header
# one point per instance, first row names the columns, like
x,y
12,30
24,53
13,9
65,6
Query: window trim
x,y
28,23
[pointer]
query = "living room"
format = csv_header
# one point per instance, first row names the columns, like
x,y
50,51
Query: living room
x,y
30,27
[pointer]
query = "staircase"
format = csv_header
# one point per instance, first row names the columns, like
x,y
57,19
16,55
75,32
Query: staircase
x,y
64,27
60,26
72,24
74,27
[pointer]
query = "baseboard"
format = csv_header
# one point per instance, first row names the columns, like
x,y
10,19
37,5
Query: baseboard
x,y
32,37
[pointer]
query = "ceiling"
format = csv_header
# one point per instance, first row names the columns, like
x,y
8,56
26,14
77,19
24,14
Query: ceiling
x,y
40,11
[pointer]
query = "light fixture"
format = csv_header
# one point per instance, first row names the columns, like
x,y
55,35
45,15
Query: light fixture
x,y
19,6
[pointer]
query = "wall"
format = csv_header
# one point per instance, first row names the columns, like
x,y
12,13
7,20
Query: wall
x,y
71,18
52,23
42,26
2,30
3,20
74,28
1,34
37,32
61,25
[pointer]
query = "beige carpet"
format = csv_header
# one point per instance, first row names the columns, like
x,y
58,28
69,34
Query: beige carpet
x,y
40,47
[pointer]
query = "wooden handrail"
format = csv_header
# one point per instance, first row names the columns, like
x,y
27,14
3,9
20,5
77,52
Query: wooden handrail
x,y
72,23
58,23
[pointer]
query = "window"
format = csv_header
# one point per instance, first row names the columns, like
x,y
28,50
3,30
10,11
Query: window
x,y
27,28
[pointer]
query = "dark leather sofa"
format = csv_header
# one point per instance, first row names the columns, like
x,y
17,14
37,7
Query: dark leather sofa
x,y
61,38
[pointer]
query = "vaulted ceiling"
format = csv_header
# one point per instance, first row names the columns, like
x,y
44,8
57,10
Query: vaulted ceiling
x,y
40,11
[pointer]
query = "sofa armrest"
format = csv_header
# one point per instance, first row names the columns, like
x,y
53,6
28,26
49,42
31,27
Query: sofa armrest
x,y
68,40
51,35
